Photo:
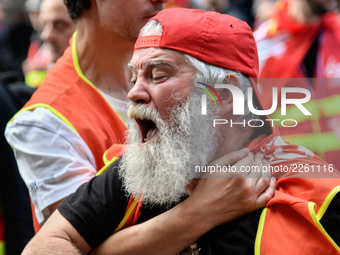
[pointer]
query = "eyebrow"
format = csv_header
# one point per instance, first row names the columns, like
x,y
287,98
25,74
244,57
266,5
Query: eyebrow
x,y
151,63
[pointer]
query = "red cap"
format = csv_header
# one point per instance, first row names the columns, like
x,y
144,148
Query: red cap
x,y
211,37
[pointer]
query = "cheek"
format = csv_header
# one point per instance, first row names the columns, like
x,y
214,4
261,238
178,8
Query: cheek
x,y
169,100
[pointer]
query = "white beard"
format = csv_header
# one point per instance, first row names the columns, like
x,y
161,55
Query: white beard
x,y
158,171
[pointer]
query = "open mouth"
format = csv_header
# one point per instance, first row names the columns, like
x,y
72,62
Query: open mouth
x,y
148,129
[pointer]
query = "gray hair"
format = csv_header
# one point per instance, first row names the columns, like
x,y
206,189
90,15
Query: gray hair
x,y
153,27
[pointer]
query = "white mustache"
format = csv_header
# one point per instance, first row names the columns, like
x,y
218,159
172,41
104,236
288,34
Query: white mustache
x,y
143,112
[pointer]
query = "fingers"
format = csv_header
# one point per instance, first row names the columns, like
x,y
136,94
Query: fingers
x,y
264,183
231,158
256,170
251,167
243,166
263,178
264,197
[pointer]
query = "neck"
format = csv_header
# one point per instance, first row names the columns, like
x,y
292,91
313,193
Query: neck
x,y
233,137
103,58
300,11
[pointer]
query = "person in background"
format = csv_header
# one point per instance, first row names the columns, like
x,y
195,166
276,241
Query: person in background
x,y
234,8
300,41
56,28
36,63
7,58
16,225
15,32
262,10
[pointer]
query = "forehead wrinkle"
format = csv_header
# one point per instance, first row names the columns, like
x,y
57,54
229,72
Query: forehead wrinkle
x,y
156,63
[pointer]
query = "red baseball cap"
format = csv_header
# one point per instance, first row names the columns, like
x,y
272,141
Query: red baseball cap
x,y
212,37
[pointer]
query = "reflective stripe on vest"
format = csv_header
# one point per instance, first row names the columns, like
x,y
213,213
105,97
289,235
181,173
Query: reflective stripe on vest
x,y
267,241
54,111
260,232
317,217
132,211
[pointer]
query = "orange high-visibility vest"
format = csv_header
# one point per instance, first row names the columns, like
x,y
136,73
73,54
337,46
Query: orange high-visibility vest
x,y
292,222
68,94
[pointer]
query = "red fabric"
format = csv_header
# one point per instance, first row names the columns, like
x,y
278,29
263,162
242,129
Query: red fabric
x,y
33,49
297,41
288,227
278,152
134,216
283,44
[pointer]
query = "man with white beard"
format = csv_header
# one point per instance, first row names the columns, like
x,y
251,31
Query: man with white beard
x,y
176,50
160,171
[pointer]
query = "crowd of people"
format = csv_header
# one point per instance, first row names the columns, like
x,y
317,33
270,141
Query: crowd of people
x,y
103,126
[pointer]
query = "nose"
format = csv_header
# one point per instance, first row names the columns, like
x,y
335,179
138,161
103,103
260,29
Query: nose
x,y
47,34
139,93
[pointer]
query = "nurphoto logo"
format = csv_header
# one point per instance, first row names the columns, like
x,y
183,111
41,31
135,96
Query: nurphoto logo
x,y
239,102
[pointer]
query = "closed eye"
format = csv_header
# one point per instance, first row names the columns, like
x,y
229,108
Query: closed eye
x,y
158,79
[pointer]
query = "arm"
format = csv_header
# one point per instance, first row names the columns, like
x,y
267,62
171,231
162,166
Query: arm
x,y
57,236
213,202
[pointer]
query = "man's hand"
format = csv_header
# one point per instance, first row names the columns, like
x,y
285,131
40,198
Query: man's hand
x,y
221,197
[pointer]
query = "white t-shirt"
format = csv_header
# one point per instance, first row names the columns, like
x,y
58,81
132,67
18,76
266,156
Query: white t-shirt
x,y
53,159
